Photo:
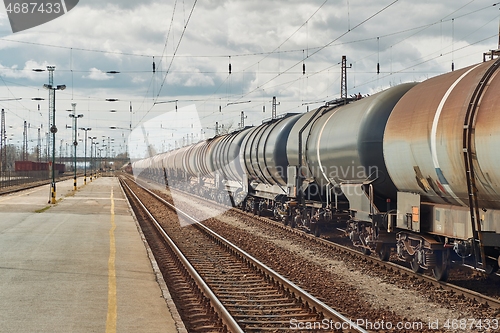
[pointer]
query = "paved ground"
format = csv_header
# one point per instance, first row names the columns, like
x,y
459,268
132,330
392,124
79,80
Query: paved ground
x,y
77,266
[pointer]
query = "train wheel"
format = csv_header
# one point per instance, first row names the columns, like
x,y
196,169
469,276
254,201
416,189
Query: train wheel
x,y
415,267
440,271
491,267
285,220
317,231
384,253
366,251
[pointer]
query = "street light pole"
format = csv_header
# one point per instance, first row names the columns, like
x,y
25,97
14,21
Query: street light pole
x,y
75,141
85,158
91,156
53,128
95,158
100,158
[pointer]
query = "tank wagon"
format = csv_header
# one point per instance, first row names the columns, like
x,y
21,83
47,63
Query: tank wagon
x,y
412,168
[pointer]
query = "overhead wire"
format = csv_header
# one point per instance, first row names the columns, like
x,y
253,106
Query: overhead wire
x,y
234,54
324,46
171,61
164,50
270,53
425,61
420,29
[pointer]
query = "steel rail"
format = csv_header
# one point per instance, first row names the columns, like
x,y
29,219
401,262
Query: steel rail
x,y
489,301
478,297
27,186
223,313
312,301
470,294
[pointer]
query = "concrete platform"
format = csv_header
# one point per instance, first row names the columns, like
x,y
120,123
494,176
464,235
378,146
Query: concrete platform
x,y
78,266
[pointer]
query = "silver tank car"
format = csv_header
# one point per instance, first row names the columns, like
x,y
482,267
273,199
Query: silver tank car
x,y
192,159
345,144
227,153
141,166
178,160
292,148
263,152
168,162
424,139
207,156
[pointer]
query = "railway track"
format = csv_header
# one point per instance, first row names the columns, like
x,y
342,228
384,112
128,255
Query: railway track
x,y
4,190
389,266
374,260
232,290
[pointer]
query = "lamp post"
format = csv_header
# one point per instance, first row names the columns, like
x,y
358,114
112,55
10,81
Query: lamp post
x,y
52,123
100,158
85,158
91,154
104,146
111,141
75,139
95,158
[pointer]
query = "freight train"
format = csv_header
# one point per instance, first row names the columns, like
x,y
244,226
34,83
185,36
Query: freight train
x,y
38,166
414,168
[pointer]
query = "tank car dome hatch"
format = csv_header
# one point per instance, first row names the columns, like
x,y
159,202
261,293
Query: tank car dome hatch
x,y
424,138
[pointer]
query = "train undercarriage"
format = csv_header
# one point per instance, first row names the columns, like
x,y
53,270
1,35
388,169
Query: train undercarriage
x,y
373,232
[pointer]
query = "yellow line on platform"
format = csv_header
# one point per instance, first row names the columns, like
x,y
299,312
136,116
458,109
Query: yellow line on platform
x,y
111,317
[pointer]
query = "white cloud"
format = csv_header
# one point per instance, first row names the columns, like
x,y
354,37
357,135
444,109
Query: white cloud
x,y
98,75
26,72
124,35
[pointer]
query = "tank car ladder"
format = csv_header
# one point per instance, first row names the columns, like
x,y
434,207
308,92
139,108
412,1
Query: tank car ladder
x,y
469,156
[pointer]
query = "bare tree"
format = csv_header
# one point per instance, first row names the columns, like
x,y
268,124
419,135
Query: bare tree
x,y
226,128
13,154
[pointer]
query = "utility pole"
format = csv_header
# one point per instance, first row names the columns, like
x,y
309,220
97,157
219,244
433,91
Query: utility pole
x,y
274,107
38,146
47,147
343,79
51,138
108,151
95,159
61,151
25,141
493,53
75,139
3,139
85,158
92,158
130,124
242,121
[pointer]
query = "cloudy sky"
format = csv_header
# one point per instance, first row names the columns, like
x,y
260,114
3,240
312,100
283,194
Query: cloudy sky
x,y
192,44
